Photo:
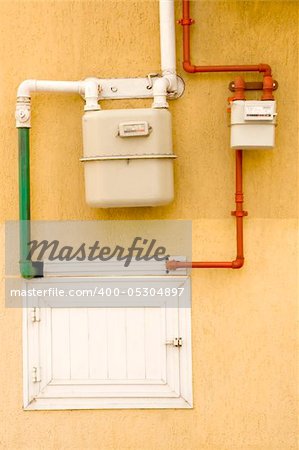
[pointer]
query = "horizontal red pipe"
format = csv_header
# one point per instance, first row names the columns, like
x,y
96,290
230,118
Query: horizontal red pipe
x,y
262,68
238,262
186,22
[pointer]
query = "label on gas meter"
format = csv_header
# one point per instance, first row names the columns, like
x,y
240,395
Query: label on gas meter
x,y
259,111
129,129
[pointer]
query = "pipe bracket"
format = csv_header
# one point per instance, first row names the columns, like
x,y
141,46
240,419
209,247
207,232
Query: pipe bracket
x,y
185,22
252,86
135,88
239,213
127,157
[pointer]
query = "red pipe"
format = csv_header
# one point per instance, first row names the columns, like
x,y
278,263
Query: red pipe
x,y
239,214
268,88
186,22
239,89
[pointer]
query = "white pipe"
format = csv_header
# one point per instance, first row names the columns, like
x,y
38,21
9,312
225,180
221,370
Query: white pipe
x,y
167,37
28,86
89,88
168,55
161,86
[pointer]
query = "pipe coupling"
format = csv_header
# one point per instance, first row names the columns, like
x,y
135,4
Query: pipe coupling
x,y
23,112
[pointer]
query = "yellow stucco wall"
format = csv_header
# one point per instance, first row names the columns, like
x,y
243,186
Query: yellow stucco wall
x,y
243,322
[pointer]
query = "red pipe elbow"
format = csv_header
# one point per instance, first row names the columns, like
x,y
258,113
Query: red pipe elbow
x,y
239,214
188,67
186,22
238,263
266,69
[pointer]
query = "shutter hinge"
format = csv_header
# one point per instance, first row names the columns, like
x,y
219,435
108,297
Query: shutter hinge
x,y
35,315
176,342
36,374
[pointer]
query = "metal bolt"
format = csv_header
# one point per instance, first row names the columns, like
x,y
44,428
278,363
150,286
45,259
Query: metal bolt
x,y
114,89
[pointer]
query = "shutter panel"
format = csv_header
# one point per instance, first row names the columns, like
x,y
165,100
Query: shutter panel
x,y
108,357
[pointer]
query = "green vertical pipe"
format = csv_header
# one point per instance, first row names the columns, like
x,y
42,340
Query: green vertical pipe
x,y
24,173
26,267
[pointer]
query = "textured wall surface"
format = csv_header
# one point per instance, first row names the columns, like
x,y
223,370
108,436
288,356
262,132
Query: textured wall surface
x,y
244,329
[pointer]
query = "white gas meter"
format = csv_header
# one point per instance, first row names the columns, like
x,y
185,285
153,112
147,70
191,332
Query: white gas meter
x,y
128,157
253,124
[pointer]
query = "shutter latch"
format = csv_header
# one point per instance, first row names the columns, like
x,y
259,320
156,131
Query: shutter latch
x,y
176,342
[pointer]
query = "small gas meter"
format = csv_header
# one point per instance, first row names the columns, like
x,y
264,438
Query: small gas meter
x,y
253,124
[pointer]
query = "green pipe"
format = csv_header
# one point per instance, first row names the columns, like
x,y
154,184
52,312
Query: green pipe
x,y
28,268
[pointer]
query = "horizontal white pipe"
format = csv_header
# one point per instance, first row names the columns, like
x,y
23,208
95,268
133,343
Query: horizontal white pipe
x,y
88,88
28,86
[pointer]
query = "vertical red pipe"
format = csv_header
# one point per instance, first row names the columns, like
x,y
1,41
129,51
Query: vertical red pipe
x,y
267,88
186,22
239,214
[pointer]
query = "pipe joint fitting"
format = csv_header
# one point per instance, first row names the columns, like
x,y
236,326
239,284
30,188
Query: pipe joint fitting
x,y
268,87
188,67
161,86
239,89
23,112
26,87
266,69
239,197
91,90
238,263
171,265
172,81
